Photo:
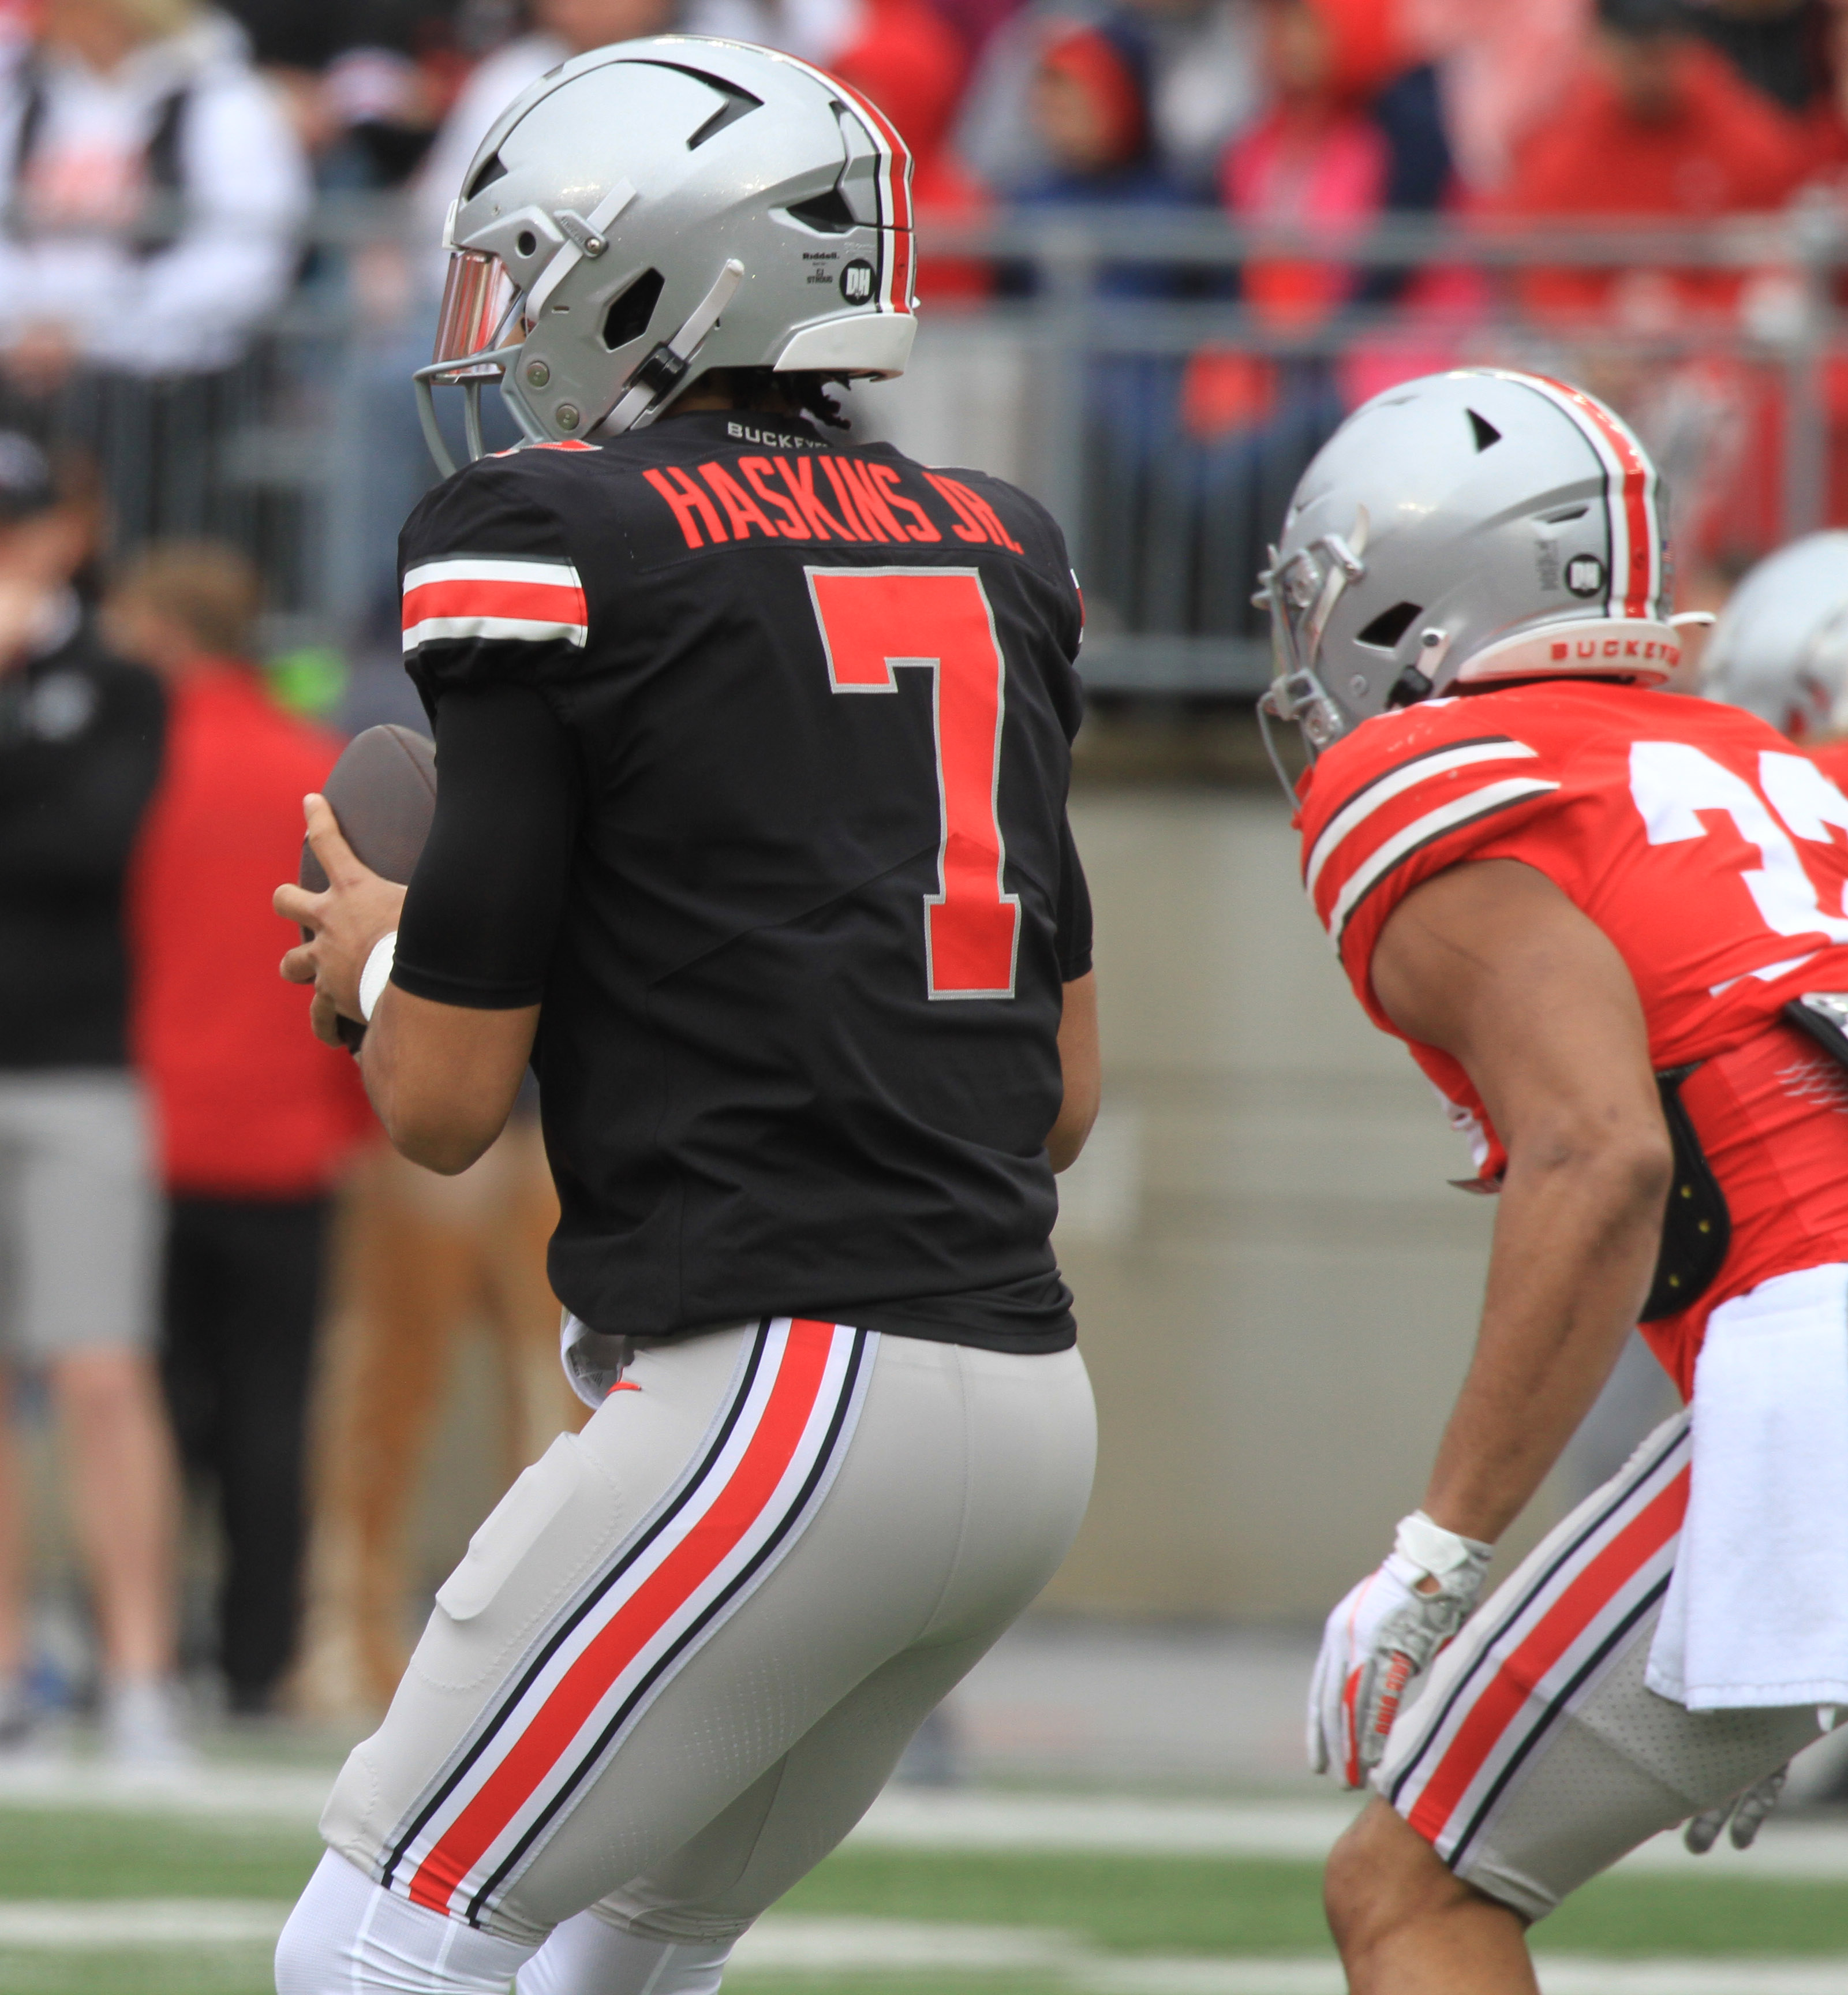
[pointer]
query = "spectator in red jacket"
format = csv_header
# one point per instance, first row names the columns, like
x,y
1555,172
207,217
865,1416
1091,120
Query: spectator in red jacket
x,y
255,1119
1655,126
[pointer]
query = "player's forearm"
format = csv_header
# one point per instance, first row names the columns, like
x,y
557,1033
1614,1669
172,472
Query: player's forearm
x,y
1575,1242
1080,1066
442,1077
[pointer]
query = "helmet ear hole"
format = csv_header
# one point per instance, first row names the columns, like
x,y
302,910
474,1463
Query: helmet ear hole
x,y
1390,626
629,312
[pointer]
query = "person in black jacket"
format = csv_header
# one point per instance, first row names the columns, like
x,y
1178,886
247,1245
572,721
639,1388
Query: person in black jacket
x,y
81,738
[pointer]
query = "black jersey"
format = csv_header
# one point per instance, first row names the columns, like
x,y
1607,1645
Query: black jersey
x,y
81,736
797,1050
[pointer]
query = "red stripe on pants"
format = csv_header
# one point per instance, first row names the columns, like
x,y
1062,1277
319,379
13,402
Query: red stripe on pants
x,y
635,1621
1496,1709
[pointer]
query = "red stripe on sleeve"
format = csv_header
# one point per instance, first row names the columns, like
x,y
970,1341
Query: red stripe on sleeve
x,y
531,601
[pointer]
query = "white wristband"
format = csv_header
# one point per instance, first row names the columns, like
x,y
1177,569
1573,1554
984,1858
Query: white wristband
x,y
1434,1550
376,974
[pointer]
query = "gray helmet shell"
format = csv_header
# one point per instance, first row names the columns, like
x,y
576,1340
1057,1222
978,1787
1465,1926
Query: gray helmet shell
x,y
677,196
1461,528
1779,648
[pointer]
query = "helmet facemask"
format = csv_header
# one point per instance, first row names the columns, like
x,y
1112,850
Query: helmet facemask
x,y
1300,593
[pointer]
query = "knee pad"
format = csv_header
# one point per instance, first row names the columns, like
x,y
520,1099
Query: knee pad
x,y
587,1956
349,1936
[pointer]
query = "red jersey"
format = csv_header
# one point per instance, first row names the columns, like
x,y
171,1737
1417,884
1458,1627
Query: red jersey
x,y
1713,855
250,1104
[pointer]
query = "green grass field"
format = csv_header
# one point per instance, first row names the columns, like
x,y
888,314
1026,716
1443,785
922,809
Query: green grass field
x,y
1114,1905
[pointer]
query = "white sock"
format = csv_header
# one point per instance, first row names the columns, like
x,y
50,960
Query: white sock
x,y
587,1956
349,1936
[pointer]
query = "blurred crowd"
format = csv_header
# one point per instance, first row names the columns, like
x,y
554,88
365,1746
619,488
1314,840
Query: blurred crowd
x,y
160,160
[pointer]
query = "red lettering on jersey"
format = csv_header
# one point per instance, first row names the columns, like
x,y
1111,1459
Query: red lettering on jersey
x,y
690,506
756,471
881,521
844,492
980,520
967,527
739,509
887,476
801,483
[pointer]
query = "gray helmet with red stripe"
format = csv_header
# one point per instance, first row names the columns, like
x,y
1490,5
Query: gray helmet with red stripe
x,y
660,207
1780,649
1466,527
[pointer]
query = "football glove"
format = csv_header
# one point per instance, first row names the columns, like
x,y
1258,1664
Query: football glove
x,y
1382,1637
1746,1811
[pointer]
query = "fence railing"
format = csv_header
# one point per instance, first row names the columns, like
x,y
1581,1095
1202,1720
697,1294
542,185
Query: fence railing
x,y
1150,375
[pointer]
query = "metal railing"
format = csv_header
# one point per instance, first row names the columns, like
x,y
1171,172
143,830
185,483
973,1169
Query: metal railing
x,y
1092,340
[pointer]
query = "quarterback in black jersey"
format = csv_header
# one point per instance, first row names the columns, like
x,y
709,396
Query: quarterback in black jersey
x,y
753,745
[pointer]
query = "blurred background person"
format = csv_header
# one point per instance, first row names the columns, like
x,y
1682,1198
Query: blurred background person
x,y
79,753
152,191
1656,125
427,1260
255,1118
1202,79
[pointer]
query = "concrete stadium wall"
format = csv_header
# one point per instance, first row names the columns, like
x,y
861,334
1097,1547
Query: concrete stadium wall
x,y
1277,1287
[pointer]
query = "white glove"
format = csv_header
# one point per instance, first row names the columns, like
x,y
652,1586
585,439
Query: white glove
x,y
1746,1811
1383,1635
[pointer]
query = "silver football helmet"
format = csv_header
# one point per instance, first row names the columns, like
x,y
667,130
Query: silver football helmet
x,y
1780,649
1463,528
664,201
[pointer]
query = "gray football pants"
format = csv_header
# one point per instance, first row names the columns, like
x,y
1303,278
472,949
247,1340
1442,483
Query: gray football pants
x,y
684,1654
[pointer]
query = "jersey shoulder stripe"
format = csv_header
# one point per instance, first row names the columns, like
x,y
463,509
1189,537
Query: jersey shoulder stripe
x,y
1487,800
458,597
1379,791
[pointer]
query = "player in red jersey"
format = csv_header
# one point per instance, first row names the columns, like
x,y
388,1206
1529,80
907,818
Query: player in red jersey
x,y
1780,649
1594,912
751,835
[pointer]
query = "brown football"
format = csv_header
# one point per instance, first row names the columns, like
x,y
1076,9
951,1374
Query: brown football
x,y
382,792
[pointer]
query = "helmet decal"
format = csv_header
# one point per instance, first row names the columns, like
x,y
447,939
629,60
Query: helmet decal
x,y
892,185
1630,498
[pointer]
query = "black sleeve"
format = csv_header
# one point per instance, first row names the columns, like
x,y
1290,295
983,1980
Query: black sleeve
x,y
1074,909
483,907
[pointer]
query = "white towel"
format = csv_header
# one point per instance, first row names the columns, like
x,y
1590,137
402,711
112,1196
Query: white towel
x,y
1756,1612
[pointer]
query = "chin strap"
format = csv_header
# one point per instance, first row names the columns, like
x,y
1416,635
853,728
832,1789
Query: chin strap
x,y
658,376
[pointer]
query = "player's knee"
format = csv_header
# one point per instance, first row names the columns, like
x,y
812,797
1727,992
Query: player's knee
x,y
1383,1876
348,1936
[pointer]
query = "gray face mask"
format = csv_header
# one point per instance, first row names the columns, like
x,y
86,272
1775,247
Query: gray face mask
x,y
664,206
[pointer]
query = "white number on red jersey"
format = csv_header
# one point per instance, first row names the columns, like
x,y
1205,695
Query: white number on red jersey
x,y
1672,782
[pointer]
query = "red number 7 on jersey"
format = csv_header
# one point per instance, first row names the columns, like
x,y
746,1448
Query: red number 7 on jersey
x,y
875,619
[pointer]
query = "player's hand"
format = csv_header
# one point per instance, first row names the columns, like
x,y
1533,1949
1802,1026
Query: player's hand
x,y
1746,1811
1382,1637
358,908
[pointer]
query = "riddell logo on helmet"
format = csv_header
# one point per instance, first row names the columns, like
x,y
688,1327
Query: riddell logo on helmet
x,y
1642,649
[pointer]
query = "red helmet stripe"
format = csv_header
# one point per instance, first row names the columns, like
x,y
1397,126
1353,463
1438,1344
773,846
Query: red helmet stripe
x,y
893,183
1635,552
